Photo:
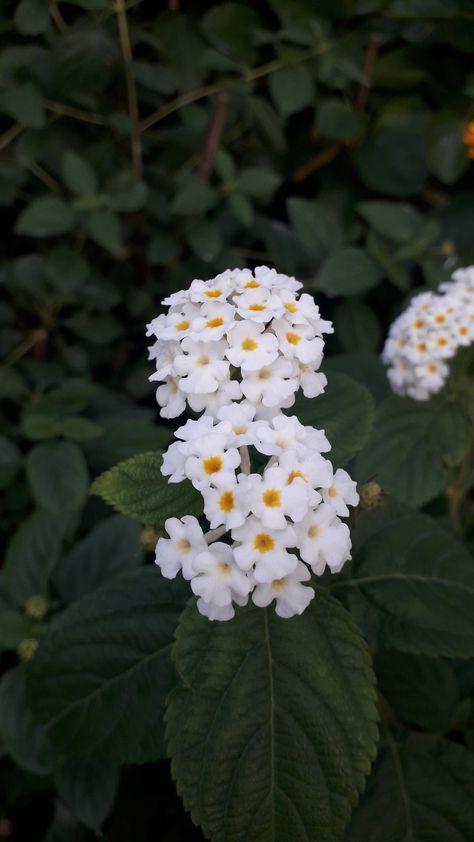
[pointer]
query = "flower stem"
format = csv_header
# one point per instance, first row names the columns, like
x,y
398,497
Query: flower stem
x,y
245,459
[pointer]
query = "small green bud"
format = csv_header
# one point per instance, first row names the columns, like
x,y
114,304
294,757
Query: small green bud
x,y
36,607
26,649
371,495
149,537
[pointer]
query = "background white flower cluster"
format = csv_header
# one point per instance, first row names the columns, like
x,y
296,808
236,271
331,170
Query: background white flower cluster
x,y
427,334
238,347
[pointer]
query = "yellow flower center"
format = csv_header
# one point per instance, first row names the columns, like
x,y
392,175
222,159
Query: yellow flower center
x,y
291,307
183,545
218,322
240,430
248,345
182,325
223,568
418,323
212,465
213,293
226,502
264,374
421,347
313,531
293,475
293,338
332,491
252,284
272,498
257,307
277,584
441,342
439,319
202,360
263,542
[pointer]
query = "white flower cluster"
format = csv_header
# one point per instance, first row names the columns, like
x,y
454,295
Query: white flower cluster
x,y
286,519
251,324
427,334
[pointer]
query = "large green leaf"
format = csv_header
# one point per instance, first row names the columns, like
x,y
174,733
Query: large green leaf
x,y
88,789
32,554
110,549
421,790
412,585
23,738
137,488
58,477
412,446
101,674
10,461
272,728
348,271
123,438
46,216
345,411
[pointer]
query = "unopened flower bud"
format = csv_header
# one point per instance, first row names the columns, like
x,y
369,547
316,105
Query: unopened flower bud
x,y
36,607
371,495
149,537
26,649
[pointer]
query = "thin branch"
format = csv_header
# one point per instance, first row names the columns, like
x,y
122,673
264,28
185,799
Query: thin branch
x,y
44,177
317,161
213,534
7,137
75,113
371,55
132,97
56,16
210,90
244,459
213,137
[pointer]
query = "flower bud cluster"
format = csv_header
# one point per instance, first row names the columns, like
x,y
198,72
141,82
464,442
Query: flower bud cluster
x,y
427,334
250,342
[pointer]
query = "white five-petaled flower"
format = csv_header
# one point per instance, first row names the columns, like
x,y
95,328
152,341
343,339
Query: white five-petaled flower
x,y
323,539
218,577
178,552
292,597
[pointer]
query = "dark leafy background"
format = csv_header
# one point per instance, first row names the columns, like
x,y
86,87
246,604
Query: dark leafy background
x,y
143,145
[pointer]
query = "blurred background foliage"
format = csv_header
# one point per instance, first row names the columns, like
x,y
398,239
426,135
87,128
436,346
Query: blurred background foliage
x,y
143,144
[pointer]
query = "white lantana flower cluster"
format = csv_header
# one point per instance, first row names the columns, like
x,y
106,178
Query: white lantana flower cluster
x,y
238,347
427,334
252,324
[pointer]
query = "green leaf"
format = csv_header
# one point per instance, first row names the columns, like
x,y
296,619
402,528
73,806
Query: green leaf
x,y
14,627
10,461
122,438
258,183
32,554
58,476
231,28
316,225
163,248
241,208
80,429
393,161
398,221
412,446
192,196
421,790
25,740
363,367
101,674
25,104
104,227
345,411
269,122
110,549
356,326
347,272
282,731
205,239
31,17
126,192
421,691
338,120
412,585
47,216
137,488
447,158
88,789
78,174
291,89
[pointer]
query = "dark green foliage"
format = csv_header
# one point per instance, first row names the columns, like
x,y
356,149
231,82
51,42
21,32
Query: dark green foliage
x,y
324,139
